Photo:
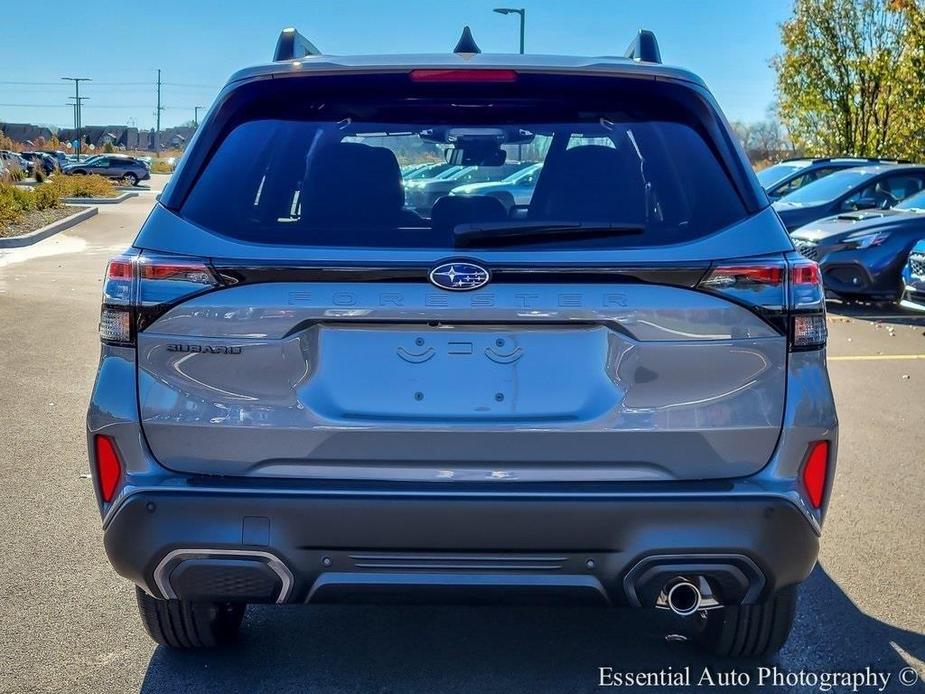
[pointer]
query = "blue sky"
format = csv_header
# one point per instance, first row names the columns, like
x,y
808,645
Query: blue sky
x,y
199,43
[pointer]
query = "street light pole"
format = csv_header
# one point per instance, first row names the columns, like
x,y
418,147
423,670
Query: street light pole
x,y
523,19
77,81
78,102
196,115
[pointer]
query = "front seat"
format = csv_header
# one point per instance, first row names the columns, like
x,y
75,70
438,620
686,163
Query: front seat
x,y
349,184
591,183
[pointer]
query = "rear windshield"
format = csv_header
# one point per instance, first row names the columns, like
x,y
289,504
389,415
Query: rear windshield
x,y
486,173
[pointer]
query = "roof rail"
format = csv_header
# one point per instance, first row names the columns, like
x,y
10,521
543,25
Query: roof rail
x,y
644,48
292,46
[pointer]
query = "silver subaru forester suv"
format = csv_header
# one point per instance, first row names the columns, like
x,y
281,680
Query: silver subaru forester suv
x,y
614,393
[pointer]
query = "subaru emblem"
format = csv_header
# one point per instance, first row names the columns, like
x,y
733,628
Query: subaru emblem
x,y
459,276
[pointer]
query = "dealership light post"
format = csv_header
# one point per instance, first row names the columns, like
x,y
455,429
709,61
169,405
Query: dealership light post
x,y
78,103
77,81
523,16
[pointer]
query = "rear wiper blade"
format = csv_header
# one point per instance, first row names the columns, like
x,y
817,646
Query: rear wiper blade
x,y
507,233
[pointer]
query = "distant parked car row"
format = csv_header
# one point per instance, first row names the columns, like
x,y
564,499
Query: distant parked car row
x,y
862,220
41,161
511,183
13,161
119,167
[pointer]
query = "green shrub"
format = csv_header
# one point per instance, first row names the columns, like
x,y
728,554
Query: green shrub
x,y
161,166
15,202
46,196
92,186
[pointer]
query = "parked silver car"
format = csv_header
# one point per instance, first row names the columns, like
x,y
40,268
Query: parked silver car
x,y
515,190
118,167
617,395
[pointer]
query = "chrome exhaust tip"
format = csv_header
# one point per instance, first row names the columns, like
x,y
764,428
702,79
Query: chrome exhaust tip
x,y
684,598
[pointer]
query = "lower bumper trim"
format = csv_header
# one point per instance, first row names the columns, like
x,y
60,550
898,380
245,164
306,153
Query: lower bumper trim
x,y
458,549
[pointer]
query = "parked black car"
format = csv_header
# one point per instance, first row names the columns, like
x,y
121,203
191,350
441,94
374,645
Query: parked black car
x,y
877,187
863,253
59,156
790,175
114,166
41,160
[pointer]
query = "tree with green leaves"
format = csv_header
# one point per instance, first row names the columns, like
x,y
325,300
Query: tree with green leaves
x,y
844,78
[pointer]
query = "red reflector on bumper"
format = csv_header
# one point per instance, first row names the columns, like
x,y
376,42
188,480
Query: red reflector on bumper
x,y
815,471
108,467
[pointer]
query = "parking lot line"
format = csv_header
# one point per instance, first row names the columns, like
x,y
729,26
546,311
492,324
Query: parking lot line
x,y
878,357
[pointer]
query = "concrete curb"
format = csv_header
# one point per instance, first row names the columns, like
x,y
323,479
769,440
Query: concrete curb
x,y
46,231
99,201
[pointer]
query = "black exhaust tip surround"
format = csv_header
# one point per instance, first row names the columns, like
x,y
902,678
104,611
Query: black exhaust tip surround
x,y
234,580
734,578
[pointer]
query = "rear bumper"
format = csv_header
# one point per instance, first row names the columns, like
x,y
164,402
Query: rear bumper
x,y
264,546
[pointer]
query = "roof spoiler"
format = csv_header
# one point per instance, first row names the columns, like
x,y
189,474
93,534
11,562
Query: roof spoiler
x,y
644,48
292,46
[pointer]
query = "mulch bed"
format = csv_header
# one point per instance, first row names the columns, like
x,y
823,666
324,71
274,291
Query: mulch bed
x,y
35,220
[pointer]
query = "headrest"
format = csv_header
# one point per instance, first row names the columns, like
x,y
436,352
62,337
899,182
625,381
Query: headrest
x,y
349,183
591,183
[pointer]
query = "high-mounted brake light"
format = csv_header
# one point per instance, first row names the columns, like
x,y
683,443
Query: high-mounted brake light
x,y
815,472
108,466
473,75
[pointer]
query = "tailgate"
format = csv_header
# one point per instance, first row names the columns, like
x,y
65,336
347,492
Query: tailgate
x,y
397,381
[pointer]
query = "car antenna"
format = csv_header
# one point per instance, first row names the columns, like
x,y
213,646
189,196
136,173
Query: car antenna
x,y
466,43
644,48
291,45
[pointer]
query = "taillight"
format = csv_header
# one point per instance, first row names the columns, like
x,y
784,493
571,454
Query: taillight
x,y
117,314
464,75
815,472
758,283
806,301
139,288
108,467
785,291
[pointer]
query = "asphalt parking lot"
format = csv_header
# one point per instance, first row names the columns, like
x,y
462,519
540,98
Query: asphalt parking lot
x,y
68,623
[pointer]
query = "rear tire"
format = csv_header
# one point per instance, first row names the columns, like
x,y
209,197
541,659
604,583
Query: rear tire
x,y
187,624
749,631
